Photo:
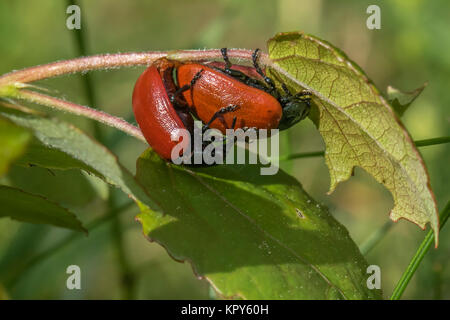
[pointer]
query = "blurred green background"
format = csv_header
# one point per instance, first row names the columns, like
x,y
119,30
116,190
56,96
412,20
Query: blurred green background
x,y
410,48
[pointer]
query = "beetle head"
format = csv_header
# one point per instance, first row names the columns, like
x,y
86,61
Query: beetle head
x,y
295,109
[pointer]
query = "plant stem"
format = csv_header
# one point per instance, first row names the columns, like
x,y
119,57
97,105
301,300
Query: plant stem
x,y
431,142
109,61
438,280
375,238
122,125
84,111
303,155
418,257
126,277
418,143
11,84
80,41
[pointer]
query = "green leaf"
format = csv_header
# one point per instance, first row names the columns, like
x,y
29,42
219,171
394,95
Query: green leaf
x,y
62,146
251,236
39,154
401,100
357,124
13,141
27,207
70,188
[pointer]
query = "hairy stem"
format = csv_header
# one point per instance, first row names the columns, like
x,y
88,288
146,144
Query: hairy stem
x,y
97,115
109,61
12,84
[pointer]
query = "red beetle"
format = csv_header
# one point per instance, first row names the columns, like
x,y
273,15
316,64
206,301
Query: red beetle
x,y
215,90
155,113
219,96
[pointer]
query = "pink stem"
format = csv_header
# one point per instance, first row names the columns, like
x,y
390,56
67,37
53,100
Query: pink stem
x,y
105,61
87,112
108,61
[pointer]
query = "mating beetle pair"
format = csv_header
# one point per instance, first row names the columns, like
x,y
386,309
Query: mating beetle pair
x,y
222,98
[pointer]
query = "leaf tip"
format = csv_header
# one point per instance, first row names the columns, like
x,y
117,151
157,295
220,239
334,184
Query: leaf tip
x,y
401,100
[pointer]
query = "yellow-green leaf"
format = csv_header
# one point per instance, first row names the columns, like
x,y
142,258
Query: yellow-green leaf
x,y
401,100
357,124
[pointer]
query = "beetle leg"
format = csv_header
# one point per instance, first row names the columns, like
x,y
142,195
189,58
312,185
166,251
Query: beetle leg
x,y
305,96
267,80
196,77
218,113
236,73
306,111
239,75
233,73
227,142
303,93
286,89
226,59
233,124
173,96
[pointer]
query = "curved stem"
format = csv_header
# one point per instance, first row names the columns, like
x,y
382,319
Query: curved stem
x,y
76,109
54,69
12,84
108,61
418,257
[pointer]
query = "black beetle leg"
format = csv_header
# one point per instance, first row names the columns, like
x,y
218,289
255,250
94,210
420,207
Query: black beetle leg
x,y
286,89
218,113
303,93
224,52
267,80
174,96
233,124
